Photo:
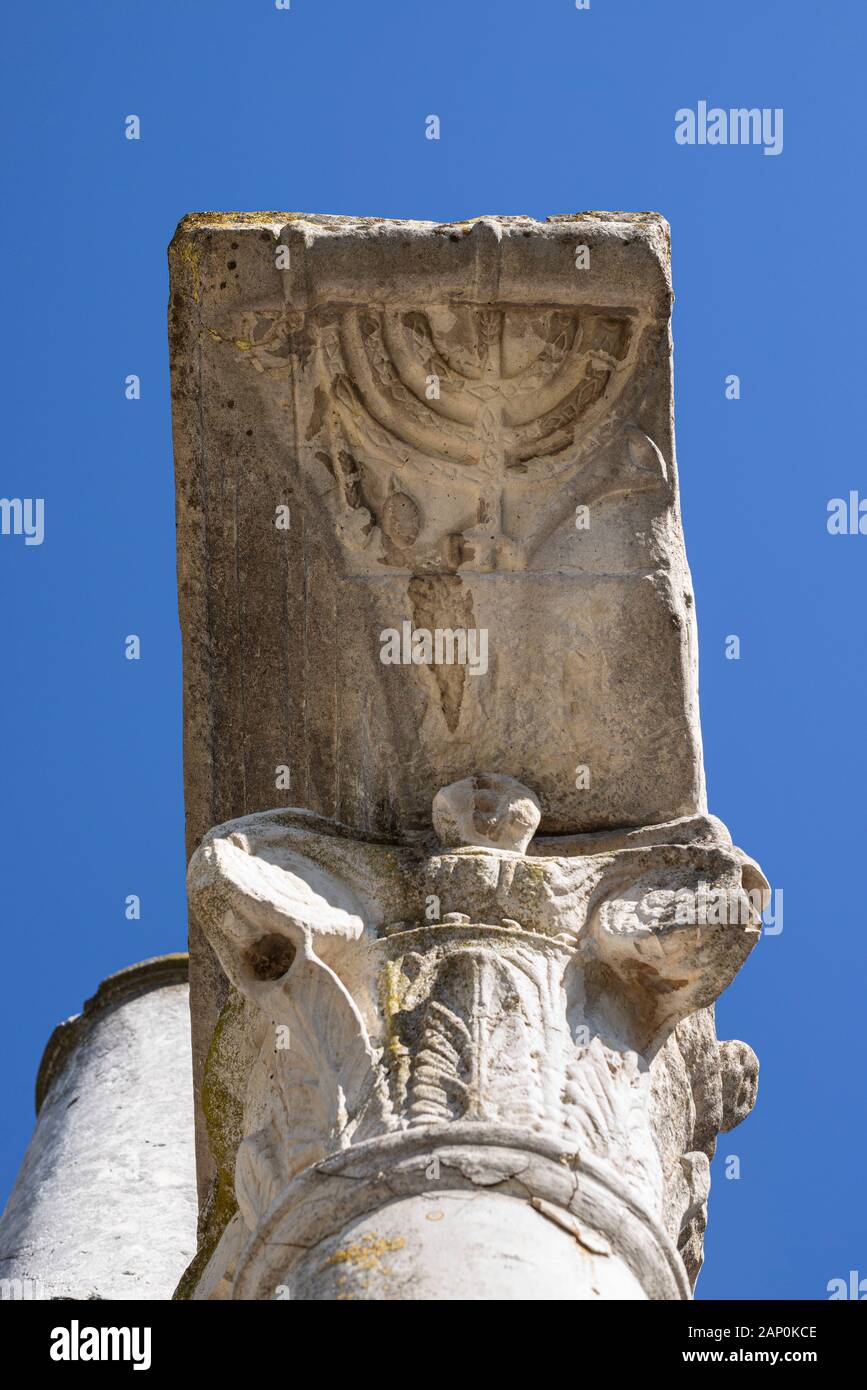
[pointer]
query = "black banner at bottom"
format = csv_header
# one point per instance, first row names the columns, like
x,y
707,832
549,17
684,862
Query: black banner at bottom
x,y
68,1338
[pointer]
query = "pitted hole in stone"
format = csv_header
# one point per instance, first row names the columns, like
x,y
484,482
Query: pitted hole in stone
x,y
270,957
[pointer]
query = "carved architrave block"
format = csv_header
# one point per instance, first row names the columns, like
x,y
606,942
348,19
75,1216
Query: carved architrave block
x,y
432,403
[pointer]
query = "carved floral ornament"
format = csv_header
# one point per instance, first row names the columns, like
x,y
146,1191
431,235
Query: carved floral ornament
x,y
471,994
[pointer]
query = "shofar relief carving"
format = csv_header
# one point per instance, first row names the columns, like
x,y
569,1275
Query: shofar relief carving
x,y
468,1048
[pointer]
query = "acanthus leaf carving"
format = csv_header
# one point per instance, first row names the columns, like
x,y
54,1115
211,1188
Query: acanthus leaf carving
x,y
553,1030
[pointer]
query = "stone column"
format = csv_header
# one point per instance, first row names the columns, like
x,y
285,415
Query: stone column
x,y
452,999
104,1205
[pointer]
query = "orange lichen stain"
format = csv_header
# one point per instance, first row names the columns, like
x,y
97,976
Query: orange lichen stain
x,y
367,1252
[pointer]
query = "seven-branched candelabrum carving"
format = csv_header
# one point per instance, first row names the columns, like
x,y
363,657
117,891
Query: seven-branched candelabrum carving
x,y
425,419
487,1064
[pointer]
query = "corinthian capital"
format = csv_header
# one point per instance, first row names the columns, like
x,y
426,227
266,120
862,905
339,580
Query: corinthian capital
x,y
446,1028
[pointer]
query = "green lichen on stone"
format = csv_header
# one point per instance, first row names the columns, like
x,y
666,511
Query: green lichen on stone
x,y
391,998
184,249
223,1108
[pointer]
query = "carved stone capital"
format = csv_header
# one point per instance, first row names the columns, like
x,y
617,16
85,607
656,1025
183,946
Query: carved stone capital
x,y
474,1022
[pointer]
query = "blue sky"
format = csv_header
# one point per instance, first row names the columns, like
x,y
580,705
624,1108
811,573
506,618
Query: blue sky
x,y
544,109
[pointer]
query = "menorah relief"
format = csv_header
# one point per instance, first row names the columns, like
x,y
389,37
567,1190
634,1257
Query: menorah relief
x,y
449,434
453,463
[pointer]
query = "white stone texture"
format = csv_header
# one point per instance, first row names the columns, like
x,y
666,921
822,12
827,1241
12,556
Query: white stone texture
x,y
105,1203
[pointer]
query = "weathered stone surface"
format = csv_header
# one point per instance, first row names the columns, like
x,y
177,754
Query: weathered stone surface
x,y
487,810
310,386
433,404
435,599
105,1203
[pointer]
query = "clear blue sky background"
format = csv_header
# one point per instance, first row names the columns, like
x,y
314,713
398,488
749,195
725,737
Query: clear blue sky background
x,y
544,109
